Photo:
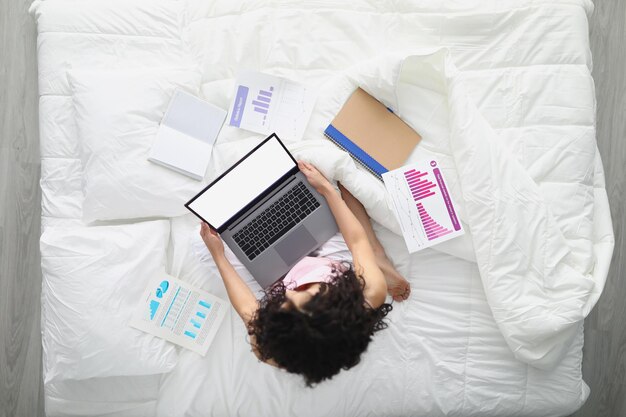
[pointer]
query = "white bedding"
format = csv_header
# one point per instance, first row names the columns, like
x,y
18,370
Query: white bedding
x,y
494,323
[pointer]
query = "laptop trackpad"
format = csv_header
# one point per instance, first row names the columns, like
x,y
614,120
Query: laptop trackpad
x,y
297,244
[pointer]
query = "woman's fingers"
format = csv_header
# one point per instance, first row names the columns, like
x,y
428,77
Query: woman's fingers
x,y
207,231
304,164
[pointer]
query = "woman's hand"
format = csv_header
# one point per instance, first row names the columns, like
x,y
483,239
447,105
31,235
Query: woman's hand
x,y
212,240
315,178
238,292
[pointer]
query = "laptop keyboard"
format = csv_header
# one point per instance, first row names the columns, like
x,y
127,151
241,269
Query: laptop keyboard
x,y
276,220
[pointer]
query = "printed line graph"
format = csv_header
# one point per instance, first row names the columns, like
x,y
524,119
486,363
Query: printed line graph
x,y
405,204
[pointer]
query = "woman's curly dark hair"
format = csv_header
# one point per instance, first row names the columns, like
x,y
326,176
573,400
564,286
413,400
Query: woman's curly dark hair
x,y
329,334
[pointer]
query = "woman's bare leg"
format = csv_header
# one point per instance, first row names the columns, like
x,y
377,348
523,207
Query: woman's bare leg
x,y
398,287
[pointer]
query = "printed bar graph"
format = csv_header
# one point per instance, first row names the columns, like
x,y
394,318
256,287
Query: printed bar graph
x,y
201,315
415,179
423,189
190,334
414,175
433,230
262,102
154,306
423,204
423,195
204,304
420,187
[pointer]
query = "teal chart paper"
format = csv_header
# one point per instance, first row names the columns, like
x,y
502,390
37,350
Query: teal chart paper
x,y
179,313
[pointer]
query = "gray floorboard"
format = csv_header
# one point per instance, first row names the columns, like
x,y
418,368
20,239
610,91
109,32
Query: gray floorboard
x,y
604,363
21,393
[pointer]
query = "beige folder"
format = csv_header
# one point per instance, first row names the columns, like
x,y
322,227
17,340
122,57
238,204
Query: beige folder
x,y
376,130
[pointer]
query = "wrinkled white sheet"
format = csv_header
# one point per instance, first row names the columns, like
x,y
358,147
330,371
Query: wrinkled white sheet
x,y
540,279
513,127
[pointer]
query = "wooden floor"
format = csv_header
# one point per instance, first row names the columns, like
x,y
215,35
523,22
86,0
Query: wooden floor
x,y
21,393
604,360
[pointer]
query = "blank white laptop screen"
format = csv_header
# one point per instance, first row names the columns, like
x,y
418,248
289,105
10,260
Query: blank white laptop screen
x,y
244,183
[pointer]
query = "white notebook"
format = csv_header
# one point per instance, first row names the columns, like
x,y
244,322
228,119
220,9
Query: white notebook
x,y
186,135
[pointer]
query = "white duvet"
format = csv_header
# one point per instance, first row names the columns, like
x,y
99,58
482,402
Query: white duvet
x,y
503,97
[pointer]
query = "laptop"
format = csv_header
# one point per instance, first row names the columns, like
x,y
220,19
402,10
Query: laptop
x,y
266,211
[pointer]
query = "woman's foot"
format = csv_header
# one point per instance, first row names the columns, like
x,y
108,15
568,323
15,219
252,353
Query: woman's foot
x,y
398,287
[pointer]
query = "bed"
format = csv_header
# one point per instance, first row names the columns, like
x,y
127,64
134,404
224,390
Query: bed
x,y
502,95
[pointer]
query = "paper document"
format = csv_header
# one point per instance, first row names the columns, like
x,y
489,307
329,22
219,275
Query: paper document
x,y
179,313
266,104
423,205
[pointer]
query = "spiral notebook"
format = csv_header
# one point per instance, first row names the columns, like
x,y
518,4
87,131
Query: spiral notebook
x,y
372,134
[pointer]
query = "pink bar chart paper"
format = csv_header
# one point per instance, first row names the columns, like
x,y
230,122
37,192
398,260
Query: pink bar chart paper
x,y
423,204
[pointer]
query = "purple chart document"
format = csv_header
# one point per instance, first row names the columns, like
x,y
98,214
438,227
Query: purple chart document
x,y
423,204
263,103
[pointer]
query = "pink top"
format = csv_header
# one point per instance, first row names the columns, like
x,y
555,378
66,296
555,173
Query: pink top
x,y
311,270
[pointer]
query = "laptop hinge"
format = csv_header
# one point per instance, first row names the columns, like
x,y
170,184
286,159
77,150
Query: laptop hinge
x,y
250,211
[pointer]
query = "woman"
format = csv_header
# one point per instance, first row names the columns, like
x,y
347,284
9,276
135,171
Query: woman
x,y
321,316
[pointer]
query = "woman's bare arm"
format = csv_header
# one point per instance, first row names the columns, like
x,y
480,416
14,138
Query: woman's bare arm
x,y
359,212
356,238
241,297
354,234
239,294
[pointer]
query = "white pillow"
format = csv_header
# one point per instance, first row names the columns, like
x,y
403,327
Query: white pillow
x,y
94,278
117,115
